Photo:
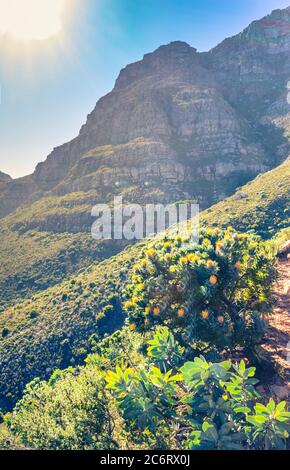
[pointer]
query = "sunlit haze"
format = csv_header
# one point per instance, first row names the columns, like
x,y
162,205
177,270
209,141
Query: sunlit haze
x,y
28,20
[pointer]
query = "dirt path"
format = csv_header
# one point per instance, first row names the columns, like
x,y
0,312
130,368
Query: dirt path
x,y
277,342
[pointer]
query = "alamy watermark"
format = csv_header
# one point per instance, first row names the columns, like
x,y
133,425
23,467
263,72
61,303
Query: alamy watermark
x,y
135,222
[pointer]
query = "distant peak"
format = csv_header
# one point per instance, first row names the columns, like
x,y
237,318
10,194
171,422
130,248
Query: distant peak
x,y
177,46
4,177
170,56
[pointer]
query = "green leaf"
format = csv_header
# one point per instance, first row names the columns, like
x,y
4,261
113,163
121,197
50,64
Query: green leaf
x,y
257,420
206,425
271,405
281,407
260,408
242,409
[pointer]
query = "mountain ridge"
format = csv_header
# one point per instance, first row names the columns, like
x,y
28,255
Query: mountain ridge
x,y
181,107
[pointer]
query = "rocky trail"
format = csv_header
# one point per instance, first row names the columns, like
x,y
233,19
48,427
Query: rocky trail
x,y
277,342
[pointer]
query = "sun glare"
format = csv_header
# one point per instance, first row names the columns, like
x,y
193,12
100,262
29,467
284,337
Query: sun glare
x,y
31,20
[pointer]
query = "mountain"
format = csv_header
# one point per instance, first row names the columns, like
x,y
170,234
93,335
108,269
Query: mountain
x,y
4,178
57,327
178,124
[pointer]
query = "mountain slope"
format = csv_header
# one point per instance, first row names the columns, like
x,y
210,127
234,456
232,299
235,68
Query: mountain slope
x,y
52,328
177,125
192,125
45,242
261,205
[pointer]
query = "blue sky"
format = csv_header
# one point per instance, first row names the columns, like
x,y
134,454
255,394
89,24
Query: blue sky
x,y
49,87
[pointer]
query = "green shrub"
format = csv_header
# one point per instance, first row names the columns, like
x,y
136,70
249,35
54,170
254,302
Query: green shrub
x,y
217,291
33,314
5,332
202,405
160,400
68,412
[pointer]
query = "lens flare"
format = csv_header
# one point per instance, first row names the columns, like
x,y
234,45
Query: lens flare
x,y
31,20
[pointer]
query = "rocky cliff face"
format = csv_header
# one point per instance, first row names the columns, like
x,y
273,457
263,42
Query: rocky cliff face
x,y
178,125
253,68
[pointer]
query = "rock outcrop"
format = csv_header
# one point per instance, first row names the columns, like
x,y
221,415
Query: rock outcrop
x,y
4,178
178,125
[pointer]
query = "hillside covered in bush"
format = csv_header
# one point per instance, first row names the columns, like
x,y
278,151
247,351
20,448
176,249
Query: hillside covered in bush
x,y
42,244
52,329
179,341
166,380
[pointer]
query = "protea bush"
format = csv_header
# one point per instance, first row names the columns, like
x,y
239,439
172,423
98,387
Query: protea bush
x,y
215,291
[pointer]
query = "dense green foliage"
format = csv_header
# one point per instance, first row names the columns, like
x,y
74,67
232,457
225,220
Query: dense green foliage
x,y
201,405
158,397
52,329
216,290
70,411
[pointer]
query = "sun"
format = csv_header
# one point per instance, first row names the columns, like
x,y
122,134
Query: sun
x,y
31,20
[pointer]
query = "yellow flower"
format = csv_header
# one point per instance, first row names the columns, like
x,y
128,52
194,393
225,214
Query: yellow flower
x,y
180,313
132,326
128,304
140,286
167,256
183,260
191,257
172,269
206,241
150,253
144,262
219,244
209,264
147,309
213,280
166,244
156,311
205,314
230,229
135,299
209,232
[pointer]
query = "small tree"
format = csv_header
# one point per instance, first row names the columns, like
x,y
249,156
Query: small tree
x,y
217,291
200,406
68,412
